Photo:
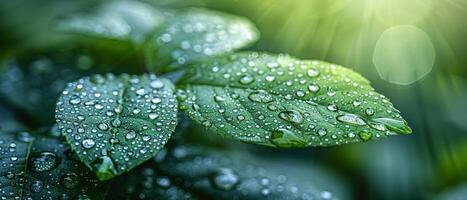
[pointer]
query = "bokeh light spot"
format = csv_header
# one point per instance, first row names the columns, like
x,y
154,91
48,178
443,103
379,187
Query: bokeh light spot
x,y
403,54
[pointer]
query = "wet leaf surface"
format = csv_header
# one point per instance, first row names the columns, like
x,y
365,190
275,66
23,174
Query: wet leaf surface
x,y
281,101
43,168
115,123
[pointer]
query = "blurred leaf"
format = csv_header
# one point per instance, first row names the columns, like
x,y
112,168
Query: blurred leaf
x,y
115,123
220,176
454,193
43,169
122,20
195,33
277,100
33,84
8,120
146,182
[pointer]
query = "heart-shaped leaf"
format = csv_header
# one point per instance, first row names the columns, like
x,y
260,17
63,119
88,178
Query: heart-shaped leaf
x,y
114,123
277,100
43,168
121,20
196,33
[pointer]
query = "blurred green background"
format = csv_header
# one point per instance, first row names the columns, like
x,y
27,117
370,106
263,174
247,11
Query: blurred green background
x,y
413,51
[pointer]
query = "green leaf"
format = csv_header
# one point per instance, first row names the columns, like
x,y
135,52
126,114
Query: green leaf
x,y
195,33
122,20
277,100
43,169
114,123
223,176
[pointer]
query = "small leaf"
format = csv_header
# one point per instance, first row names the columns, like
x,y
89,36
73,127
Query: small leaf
x,y
121,20
114,123
195,33
223,176
277,100
43,169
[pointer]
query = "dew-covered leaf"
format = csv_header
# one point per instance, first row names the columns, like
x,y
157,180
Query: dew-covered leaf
x,y
33,85
122,20
221,176
194,33
43,168
114,123
277,100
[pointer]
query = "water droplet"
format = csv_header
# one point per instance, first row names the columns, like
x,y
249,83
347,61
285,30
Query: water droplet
x,y
156,100
260,96
141,92
103,126
313,88
397,126
225,179
356,103
44,161
300,93
88,143
104,167
130,135
156,84
246,80
291,116
322,132
270,78
351,119
116,122
313,73
365,136
69,180
36,186
285,138
332,107
75,99
153,115
369,111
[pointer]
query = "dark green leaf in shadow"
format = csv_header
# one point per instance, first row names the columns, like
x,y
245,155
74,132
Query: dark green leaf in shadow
x,y
219,176
33,84
43,168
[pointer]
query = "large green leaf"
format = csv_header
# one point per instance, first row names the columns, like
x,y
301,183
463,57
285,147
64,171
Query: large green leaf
x,y
277,100
122,20
43,169
114,123
213,175
194,33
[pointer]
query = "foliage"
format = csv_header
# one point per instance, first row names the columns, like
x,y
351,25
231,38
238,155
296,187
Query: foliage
x,y
116,124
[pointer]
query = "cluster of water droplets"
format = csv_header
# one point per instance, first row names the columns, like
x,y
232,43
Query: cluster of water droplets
x,y
195,33
280,100
116,122
46,171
